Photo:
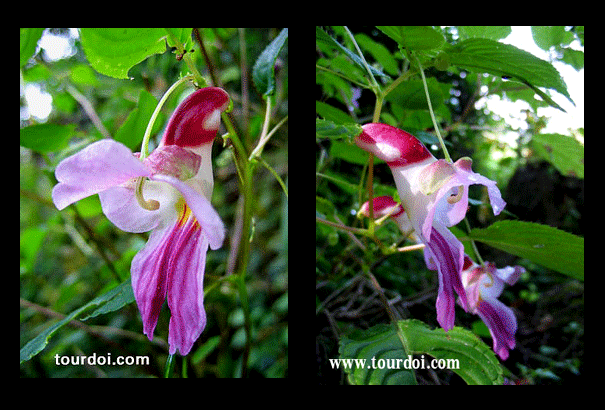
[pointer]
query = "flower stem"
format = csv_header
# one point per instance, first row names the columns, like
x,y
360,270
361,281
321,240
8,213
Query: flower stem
x,y
169,367
156,112
428,100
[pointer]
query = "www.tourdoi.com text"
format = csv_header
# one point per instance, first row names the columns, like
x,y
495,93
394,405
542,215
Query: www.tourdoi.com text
x,y
410,363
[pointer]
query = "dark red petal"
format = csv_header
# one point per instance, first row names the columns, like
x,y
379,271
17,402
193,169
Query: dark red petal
x,y
396,147
196,120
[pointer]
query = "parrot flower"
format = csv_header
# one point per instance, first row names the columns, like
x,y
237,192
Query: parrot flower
x,y
167,193
483,285
434,194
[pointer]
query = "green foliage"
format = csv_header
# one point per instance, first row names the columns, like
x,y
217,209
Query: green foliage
x,y
459,349
327,129
564,152
114,51
263,73
493,57
45,137
108,302
132,130
76,298
544,245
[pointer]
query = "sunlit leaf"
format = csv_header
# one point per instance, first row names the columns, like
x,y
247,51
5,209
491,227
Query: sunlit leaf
x,y
542,244
114,51
493,57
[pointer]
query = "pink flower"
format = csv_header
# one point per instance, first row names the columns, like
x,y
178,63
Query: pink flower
x,y
386,205
483,285
434,194
174,203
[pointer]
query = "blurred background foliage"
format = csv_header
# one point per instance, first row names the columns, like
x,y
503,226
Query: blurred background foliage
x,y
68,258
539,174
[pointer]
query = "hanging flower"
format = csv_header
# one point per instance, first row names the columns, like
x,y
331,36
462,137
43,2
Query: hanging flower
x,y
483,285
434,194
173,202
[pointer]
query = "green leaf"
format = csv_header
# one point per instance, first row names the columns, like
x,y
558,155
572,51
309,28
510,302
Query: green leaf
x,y
563,151
133,129
45,137
493,57
379,343
459,349
323,38
546,37
83,74
411,95
183,35
114,51
28,40
331,113
329,129
382,54
414,37
110,301
263,73
477,363
542,244
493,32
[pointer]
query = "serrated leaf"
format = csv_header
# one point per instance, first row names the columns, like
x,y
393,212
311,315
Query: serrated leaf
x,y
493,57
108,302
542,244
414,37
477,363
263,73
114,51
468,356
563,151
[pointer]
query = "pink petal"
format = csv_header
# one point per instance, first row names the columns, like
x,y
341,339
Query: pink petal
x,y
99,166
123,210
185,288
148,275
502,325
171,266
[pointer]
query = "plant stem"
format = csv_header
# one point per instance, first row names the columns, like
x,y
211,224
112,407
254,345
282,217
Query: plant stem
x,y
199,80
245,171
428,100
169,368
156,112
